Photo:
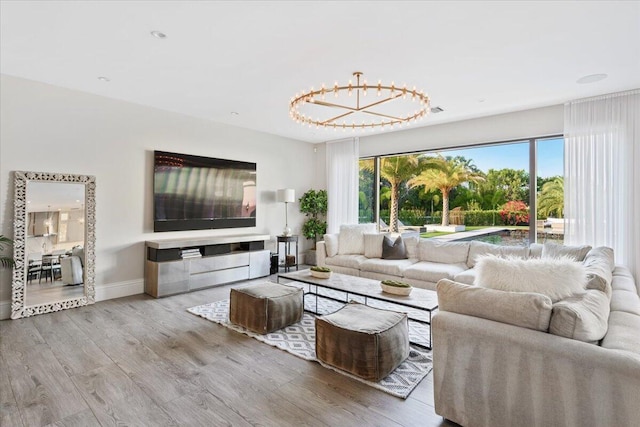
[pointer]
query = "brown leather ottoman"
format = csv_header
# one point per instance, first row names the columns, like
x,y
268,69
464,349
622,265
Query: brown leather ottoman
x,y
364,341
265,307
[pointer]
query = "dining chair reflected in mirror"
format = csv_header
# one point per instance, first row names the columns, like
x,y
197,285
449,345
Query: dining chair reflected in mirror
x,y
50,268
34,269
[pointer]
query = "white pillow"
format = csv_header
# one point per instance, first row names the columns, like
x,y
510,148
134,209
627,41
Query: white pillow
x,y
373,244
443,252
478,249
556,278
553,250
411,245
331,243
351,238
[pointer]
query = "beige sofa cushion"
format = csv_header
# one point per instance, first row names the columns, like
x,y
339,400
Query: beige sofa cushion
x,y
527,310
373,244
411,245
433,271
553,250
443,252
535,250
331,244
623,332
351,238
558,278
467,277
582,318
349,261
600,265
394,267
477,249
625,301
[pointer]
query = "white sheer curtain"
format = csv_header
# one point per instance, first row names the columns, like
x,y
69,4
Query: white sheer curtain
x,y
342,183
602,174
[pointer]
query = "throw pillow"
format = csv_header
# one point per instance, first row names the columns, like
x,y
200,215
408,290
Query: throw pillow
x,y
331,243
583,318
599,263
478,249
443,252
557,278
411,244
393,249
373,245
527,310
553,250
351,238
535,250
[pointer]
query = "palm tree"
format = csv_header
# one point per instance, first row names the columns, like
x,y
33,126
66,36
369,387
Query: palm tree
x,y
6,262
397,170
445,174
551,199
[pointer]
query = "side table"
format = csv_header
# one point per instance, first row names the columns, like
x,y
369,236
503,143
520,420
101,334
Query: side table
x,y
290,260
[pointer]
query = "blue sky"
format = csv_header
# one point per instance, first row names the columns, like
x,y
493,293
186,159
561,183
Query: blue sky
x,y
516,156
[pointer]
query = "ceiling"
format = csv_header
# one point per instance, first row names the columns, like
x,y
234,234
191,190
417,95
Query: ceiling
x,y
473,58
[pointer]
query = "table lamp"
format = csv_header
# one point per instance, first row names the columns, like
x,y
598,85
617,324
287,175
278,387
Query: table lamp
x,y
287,195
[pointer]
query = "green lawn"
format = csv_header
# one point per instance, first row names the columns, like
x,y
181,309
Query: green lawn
x,y
434,234
475,227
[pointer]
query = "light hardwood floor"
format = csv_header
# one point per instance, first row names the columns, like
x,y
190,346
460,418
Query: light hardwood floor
x,y
141,361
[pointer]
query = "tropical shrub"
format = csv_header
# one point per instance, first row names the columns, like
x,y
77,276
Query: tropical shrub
x,y
478,218
515,213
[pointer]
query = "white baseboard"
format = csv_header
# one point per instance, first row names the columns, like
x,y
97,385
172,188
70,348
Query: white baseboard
x,y
103,292
119,289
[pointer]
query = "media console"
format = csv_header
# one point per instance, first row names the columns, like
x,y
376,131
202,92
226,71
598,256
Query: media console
x,y
181,265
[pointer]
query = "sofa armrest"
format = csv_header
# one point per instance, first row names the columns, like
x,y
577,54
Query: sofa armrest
x,y
321,253
491,373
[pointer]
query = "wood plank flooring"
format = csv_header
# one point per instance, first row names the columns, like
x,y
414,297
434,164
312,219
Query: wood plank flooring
x,y
141,361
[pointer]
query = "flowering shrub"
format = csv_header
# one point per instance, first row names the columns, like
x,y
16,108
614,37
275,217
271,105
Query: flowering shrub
x,y
515,213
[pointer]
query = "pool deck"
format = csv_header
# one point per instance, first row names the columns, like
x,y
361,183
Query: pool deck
x,y
469,235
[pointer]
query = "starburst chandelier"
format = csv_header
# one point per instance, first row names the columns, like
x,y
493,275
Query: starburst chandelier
x,y
359,106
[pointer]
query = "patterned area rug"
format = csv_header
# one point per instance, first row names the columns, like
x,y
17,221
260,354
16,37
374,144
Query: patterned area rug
x,y
299,340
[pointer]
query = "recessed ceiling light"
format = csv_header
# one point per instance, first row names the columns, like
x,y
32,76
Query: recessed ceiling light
x,y
104,79
235,113
436,110
158,34
591,78
481,100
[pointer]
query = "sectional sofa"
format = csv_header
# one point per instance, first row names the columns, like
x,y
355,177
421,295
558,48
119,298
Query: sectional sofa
x,y
357,250
516,358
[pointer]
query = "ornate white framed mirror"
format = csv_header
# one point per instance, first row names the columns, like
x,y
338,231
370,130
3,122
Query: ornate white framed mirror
x,y
54,242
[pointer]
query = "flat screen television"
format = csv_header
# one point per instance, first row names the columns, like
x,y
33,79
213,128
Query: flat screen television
x,y
197,193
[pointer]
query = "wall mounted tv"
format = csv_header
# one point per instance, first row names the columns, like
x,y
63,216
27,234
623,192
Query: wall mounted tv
x,y
197,193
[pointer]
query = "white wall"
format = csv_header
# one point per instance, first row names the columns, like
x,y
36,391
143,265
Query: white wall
x,y
503,127
46,128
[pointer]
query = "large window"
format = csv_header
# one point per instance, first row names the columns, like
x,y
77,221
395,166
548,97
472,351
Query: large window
x,y
486,189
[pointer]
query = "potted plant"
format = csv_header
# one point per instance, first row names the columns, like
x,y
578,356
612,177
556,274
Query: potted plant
x,y
314,205
6,262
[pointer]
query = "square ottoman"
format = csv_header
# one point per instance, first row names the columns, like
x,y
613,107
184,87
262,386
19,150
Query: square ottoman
x,y
364,341
265,307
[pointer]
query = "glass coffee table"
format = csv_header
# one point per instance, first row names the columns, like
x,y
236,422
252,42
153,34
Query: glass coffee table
x,y
342,288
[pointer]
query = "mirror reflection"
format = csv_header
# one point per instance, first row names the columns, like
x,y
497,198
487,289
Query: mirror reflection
x,y
55,241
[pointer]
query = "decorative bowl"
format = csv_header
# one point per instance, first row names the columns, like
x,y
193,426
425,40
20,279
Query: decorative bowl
x,y
320,274
396,290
